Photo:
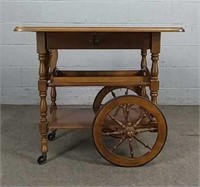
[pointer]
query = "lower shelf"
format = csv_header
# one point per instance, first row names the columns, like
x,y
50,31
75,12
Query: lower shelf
x,y
71,118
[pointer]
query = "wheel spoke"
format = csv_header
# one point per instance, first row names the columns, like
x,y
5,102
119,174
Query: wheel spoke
x,y
113,94
118,144
141,118
131,147
117,111
150,129
126,112
140,141
112,133
126,92
117,121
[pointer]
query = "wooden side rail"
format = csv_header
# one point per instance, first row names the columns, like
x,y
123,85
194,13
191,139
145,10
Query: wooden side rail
x,y
90,73
99,78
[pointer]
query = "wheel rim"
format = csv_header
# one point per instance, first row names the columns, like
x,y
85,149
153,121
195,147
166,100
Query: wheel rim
x,y
110,90
109,141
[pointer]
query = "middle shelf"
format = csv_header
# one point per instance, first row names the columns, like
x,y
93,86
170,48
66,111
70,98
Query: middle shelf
x,y
99,78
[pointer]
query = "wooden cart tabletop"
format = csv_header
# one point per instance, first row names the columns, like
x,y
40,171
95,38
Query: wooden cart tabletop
x,y
99,29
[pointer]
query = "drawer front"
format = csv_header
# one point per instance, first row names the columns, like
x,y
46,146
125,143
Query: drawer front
x,y
88,40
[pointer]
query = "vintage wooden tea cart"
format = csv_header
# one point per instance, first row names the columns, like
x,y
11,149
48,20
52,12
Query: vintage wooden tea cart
x,y
128,128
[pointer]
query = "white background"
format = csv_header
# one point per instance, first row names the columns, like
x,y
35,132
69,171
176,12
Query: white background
x,y
179,59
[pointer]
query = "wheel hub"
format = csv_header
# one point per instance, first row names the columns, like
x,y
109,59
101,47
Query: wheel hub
x,y
130,132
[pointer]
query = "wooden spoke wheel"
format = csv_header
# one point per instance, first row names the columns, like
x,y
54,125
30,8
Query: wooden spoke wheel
x,y
124,132
110,92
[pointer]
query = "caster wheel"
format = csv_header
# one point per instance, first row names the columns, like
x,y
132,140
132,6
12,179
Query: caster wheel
x,y
42,159
128,137
110,92
51,136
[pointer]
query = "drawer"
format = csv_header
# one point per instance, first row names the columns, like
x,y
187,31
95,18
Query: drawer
x,y
100,40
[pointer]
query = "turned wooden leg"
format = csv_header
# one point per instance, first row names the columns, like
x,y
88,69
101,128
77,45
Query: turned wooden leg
x,y
154,85
53,64
53,99
42,87
144,69
53,107
53,57
53,60
144,60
